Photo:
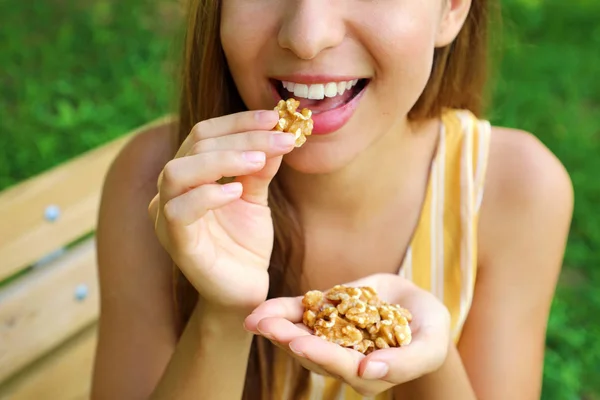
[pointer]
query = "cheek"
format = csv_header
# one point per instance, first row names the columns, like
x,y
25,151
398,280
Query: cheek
x,y
245,41
402,46
239,36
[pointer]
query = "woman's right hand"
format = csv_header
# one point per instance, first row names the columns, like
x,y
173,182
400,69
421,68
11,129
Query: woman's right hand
x,y
221,236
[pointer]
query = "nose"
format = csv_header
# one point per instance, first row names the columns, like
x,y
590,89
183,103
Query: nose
x,y
311,26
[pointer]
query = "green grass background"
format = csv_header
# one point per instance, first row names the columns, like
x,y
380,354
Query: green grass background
x,y
75,74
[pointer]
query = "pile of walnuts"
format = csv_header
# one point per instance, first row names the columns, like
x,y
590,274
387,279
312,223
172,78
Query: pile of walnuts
x,y
356,318
292,121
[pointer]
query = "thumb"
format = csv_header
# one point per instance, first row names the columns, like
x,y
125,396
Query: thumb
x,y
256,186
396,365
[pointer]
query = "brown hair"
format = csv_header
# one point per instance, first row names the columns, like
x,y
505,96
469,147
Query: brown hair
x,y
457,81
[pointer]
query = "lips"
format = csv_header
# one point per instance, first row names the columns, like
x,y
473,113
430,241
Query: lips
x,y
331,110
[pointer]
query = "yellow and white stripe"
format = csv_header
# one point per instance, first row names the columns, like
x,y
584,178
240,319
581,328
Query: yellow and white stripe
x,y
442,255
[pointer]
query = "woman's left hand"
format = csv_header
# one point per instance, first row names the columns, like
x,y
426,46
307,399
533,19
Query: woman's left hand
x,y
280,321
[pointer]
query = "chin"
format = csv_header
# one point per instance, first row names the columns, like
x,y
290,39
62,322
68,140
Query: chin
x,y
312,160
327,156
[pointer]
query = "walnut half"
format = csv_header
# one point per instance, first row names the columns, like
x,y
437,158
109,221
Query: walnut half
x,y
292,121
356,318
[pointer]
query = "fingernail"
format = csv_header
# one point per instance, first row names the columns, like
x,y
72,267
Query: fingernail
x,y
254,156
266,116
283,140
296,351
375,370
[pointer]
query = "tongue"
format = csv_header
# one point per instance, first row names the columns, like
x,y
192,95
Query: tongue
x,y
328,103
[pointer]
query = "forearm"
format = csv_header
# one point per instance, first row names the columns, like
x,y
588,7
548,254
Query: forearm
x,y
210,360
450,381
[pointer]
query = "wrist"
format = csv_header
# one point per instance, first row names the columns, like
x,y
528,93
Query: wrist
x,y
216,320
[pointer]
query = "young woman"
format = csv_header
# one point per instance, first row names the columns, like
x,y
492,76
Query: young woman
x,y
403,186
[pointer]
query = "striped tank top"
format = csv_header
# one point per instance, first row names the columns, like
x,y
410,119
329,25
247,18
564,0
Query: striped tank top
x,y
442,255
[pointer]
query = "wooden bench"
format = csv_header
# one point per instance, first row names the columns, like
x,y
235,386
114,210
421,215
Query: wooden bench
x,y
48,283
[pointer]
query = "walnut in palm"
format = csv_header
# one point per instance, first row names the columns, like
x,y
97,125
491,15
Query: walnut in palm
x,y
355,317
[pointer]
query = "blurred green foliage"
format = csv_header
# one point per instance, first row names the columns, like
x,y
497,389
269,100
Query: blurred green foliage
x,y
77,74
545,83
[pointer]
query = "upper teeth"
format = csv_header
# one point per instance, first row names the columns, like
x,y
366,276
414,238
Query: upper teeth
x,y
318,91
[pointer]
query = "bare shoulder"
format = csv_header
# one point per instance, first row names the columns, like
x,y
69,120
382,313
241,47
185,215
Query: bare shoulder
x,y
130,183
523,171
137,327
527,191
146,153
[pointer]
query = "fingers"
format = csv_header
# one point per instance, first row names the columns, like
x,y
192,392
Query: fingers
x,y
174,224
303,361
247,133
234,155
228,124
281,330
401,364
337,361
323,357
426,352
191,206
333,358
306,364
272,143
312,366
256,186
181,174
289,308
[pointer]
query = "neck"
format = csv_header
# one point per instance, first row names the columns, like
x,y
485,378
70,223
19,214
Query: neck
x,y
391,169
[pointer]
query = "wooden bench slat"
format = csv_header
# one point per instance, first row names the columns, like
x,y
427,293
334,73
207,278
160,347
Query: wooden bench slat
x,y
65,373
40,310
48,313
75,187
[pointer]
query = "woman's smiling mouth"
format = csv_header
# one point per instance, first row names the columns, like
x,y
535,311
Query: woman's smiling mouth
x,y
331,100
